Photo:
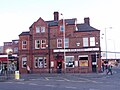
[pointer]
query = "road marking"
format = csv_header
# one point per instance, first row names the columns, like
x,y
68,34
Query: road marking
x,y
66,79
32,84
71,87
60,80
50,85
20,83
46,78
8,82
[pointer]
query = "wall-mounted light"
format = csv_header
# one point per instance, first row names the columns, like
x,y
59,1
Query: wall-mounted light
x,y
78,44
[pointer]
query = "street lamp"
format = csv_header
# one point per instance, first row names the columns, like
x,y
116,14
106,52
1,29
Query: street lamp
x,y
64,41
49,48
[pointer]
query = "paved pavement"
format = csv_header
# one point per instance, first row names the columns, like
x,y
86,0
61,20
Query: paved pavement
x,y
55,75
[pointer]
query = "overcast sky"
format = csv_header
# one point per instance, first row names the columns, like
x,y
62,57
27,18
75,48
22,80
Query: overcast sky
x,y
18,15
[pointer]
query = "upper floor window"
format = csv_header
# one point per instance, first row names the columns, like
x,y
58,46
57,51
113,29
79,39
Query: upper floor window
x,y
92,41
59,43
37,44
62,28
37,29
42,29
24,44
66,42
15,50
43,43
85,42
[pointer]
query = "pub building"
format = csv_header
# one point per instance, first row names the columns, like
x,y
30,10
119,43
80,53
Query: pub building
x,y
60,46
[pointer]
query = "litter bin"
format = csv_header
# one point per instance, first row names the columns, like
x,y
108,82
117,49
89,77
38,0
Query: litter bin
x,y
17,75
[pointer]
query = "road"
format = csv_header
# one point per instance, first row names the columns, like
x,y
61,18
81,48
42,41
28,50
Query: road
x,y
66,82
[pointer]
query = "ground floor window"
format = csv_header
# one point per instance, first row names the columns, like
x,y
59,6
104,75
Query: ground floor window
x,y
69,61
83,61
24,62
40,62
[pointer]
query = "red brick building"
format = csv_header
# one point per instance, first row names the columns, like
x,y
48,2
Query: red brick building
x,y
42,48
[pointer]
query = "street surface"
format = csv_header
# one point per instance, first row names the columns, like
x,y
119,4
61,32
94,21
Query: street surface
x,y
91,81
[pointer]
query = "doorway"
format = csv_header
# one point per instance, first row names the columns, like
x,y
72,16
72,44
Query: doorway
x,y
59,67
94,64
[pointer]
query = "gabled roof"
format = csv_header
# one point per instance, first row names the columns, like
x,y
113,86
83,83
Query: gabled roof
x,y
85,27
25,33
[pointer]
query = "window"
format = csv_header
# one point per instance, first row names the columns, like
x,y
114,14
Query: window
x,y
15,49
61,28
37,29
69,61
42,29
40,62
83,61
59,43
43,44
37,44
85,42
66,42
92,41
24,44
24,62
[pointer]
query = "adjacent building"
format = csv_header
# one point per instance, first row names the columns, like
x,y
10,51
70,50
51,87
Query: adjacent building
x,y
9,56
60,45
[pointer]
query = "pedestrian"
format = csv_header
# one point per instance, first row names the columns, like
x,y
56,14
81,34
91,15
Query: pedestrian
x,y
28,69
109,69
103,67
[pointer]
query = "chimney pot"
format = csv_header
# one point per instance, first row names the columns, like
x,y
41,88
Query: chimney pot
x,y
56,16
87,20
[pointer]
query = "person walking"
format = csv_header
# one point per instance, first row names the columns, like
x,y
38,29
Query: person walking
x,y
109,69
103,67
28,69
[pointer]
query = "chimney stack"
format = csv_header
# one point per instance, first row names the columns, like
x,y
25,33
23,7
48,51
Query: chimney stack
x,y
56,16
87,20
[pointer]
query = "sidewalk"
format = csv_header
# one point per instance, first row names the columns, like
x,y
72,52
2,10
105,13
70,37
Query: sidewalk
x,y
69,75
23,77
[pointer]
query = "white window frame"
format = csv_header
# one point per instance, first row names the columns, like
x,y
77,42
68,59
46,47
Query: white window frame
x,y
24,62
42,29
37,29
66,42
59,43
37,45
43,43
92,41
40,62
85,42
69,63
24,44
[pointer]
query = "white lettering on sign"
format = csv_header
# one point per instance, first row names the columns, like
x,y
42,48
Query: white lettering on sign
x,y
76,50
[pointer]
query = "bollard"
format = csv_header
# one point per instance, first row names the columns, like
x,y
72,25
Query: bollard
x,y
17,75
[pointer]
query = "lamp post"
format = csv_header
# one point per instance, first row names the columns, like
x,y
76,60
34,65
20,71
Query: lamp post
x,y
64,42
49,47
